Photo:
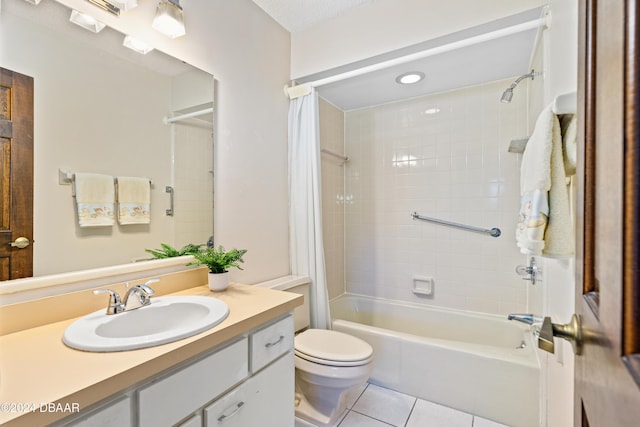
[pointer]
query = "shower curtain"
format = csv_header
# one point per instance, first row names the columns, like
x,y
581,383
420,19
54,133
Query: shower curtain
x,y
305,207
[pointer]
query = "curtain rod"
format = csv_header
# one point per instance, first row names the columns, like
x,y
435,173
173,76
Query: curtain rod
x,y
305,88
167,120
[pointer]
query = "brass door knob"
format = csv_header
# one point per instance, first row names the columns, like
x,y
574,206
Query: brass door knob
x,y
571,332
20,243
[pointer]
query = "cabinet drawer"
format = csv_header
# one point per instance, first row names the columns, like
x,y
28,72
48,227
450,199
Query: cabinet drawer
x,y
269,343
265,400
174,397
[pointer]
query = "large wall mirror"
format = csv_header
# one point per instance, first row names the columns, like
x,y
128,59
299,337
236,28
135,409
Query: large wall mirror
x,y
102,108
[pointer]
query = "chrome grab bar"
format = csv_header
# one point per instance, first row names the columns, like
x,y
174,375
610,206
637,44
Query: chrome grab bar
x,y
494,232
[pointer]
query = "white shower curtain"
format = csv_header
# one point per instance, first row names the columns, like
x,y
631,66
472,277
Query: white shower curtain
x,y
305,206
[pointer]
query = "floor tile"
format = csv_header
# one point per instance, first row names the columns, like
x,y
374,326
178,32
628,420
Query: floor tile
x,y
354,419
385,405
354,395
481,422
427,414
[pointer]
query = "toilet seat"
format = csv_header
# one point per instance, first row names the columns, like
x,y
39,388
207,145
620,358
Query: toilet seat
x,y
332,348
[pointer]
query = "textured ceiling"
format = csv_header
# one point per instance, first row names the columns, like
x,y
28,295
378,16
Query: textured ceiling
x,y
296,15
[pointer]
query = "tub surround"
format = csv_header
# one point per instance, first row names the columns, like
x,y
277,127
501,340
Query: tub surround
x,y
477,363
34,355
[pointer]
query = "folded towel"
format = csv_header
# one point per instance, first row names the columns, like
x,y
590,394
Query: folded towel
x,y
134,200
544,225
95,199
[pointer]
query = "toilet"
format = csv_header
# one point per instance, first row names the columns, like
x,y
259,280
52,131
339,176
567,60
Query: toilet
x,y
329,364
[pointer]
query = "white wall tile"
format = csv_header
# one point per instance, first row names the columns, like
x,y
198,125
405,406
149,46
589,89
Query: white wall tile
x,y
453,165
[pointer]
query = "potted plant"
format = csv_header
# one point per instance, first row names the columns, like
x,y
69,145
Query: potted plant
x,y
218,260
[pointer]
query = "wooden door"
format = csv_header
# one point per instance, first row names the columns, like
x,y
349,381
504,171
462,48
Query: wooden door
x,y
16,174
607,374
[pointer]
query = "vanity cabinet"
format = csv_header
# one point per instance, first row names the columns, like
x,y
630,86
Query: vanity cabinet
x,y
247,382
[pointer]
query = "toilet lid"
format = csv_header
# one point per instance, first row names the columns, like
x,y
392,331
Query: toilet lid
x,y
332,348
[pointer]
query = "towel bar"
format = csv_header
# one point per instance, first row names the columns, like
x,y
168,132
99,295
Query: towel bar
x,y
66,177
494,232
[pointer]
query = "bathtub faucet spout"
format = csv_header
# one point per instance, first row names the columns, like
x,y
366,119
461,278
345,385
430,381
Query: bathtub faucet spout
x,y
529,318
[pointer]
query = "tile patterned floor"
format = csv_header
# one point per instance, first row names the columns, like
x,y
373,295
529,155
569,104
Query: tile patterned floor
x,y
375,406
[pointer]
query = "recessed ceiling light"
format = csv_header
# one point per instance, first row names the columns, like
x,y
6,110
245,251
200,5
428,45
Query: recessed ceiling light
x,y
86,21
410,77
137,45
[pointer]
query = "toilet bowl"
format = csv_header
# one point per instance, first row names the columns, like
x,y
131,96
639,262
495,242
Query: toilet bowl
x,y
329,365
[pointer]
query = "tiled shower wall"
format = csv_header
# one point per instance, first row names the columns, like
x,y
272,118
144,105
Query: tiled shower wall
x,y
444,156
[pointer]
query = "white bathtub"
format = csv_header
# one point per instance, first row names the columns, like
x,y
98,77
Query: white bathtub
x,y
481,364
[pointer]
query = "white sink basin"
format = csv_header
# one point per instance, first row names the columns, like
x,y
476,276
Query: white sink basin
x,y
165,320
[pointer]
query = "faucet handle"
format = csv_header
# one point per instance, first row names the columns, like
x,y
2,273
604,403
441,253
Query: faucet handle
x,y
115,303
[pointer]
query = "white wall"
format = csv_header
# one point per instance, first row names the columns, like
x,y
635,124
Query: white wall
x,y
560,51
386,25
452,165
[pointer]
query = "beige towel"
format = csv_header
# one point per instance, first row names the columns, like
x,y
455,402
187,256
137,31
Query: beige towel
x,y
134,200
545,226
95,199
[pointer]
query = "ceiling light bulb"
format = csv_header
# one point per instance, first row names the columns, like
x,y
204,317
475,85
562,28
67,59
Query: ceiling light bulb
x,y
169,19
410,77
137,45
87,22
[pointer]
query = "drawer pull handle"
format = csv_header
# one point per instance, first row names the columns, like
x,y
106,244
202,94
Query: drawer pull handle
x,y
222,418
278,341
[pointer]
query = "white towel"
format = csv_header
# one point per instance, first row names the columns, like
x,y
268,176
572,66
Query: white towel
x,y
95,199
134,200
544,225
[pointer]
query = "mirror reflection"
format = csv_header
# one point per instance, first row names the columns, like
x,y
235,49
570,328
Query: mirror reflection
x,y
101,108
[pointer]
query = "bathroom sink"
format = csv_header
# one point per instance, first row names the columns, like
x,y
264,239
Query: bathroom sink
x,y
166,319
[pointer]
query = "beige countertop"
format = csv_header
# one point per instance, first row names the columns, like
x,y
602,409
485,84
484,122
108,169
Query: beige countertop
x,y
36,367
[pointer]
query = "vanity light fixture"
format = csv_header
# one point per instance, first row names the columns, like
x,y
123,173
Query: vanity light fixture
x,y
410,77
86,21
137,45
433,110
33,2
169,19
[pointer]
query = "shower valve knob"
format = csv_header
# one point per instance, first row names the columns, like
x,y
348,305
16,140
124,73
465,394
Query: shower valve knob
x,y
531,272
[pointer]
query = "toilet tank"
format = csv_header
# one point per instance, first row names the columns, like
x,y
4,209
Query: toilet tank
x,y
298,285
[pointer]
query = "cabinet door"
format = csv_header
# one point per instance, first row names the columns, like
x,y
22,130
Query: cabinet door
x,y
265,399
112,414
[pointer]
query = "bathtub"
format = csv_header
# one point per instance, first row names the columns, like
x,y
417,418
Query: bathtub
x,y
480,364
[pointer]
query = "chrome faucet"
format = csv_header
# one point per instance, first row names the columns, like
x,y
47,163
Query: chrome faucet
x,y
527,318
136,297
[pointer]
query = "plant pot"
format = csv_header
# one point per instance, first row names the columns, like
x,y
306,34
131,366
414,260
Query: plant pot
x,y
218,281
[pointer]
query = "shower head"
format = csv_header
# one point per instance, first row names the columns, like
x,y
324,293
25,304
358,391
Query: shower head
x,y
508,93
